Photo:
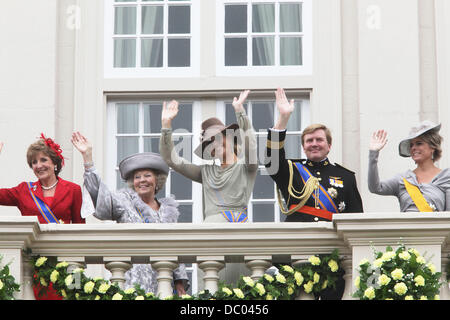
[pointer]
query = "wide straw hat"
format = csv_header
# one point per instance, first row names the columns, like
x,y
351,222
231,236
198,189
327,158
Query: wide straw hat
x,y
210,129
145,160
423,127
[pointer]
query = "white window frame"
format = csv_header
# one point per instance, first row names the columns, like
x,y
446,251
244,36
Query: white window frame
x,y
138,71
305,121
277,70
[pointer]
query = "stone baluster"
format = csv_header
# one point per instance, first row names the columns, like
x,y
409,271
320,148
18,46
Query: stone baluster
x,y
74,264
257,265
118,266
27,279
346,264
211,265
164,266
445,291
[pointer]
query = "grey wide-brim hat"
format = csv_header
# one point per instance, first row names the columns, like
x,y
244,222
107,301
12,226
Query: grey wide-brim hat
x,y
423,127
145,160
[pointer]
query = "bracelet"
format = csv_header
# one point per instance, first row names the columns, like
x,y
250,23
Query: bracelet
x,y
88,164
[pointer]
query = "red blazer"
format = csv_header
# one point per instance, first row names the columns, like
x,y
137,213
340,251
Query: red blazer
x,y
66,204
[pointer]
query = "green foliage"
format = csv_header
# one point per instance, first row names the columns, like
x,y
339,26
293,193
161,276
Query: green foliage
x,y
8,285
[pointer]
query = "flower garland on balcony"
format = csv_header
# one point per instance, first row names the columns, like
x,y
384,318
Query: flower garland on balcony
x,y
397,275
8,285
319,273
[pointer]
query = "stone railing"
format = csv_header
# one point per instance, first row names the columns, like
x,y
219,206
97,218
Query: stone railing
x,y
212,246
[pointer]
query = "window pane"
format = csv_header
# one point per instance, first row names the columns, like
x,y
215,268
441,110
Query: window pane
x,y
230,115
183,146
124,53
293,146
152,53
294,123
179,19
185,213
183,119
125,20
262,144
151,144
127,118
180,186
263,51
263,213
263,18
263,187
291,17
152,19
236,52
262,115
126,146
179,52
236,19
291,51
152,118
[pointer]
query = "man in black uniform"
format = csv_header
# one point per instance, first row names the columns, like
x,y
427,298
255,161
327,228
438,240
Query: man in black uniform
x,y
313,189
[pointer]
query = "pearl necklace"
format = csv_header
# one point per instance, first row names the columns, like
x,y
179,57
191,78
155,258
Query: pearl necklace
x,y
51,187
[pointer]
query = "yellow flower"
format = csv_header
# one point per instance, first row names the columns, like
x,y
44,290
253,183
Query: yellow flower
x,y
80,270
369,293
378,263
117,296
333,265
290,291
383,280
54,276
185,296
40,261
325,284
357,282
420,281
62,265
103,287
423,298
260,288
89,287
363,262
414,251
43,282
130,291
269,297
69,279
64,294
388,255
139,298
248,281
397,274
280,278
315,261
400,288
437,297
77,296
409,298
308,287
238,292
298,278
316,277
97,297
149,294
404,255
288,269
432,268
268,277
421,260
1,285
227,291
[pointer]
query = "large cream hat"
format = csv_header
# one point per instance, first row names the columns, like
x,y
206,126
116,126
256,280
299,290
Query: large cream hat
x,y
423,127
145,160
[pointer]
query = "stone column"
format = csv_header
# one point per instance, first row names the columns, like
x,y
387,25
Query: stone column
x,y
258,265
211,266
118,266
164,266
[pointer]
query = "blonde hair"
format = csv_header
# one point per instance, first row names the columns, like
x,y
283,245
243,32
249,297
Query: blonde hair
x,y
160,178
314,127
434,140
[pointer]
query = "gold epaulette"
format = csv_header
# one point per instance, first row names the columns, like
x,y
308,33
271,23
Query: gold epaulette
x,y
275,145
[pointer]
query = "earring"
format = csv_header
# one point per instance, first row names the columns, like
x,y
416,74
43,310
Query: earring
x,y
56,168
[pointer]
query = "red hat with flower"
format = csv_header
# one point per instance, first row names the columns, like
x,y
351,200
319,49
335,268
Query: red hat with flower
x,y
54,146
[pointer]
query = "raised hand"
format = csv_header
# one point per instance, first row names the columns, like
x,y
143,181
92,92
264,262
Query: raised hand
x,y
169,112
378,140
238,104
285,108
84,146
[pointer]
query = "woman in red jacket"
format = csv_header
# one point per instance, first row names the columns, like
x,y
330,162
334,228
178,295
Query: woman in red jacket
x,y
50,198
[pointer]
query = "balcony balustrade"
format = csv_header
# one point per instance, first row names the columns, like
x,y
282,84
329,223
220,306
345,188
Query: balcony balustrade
x,y
212,246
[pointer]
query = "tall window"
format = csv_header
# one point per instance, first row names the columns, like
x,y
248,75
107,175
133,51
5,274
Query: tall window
x,y
136,127
151,36
264,34
263,206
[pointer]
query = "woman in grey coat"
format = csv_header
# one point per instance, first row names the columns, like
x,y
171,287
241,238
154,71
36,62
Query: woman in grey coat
x,y
146,174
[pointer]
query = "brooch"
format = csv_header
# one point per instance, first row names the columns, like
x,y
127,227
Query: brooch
x,y
336,182
341,206
332,192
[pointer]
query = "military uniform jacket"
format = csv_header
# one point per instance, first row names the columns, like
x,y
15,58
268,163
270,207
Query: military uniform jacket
x,y
337,180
